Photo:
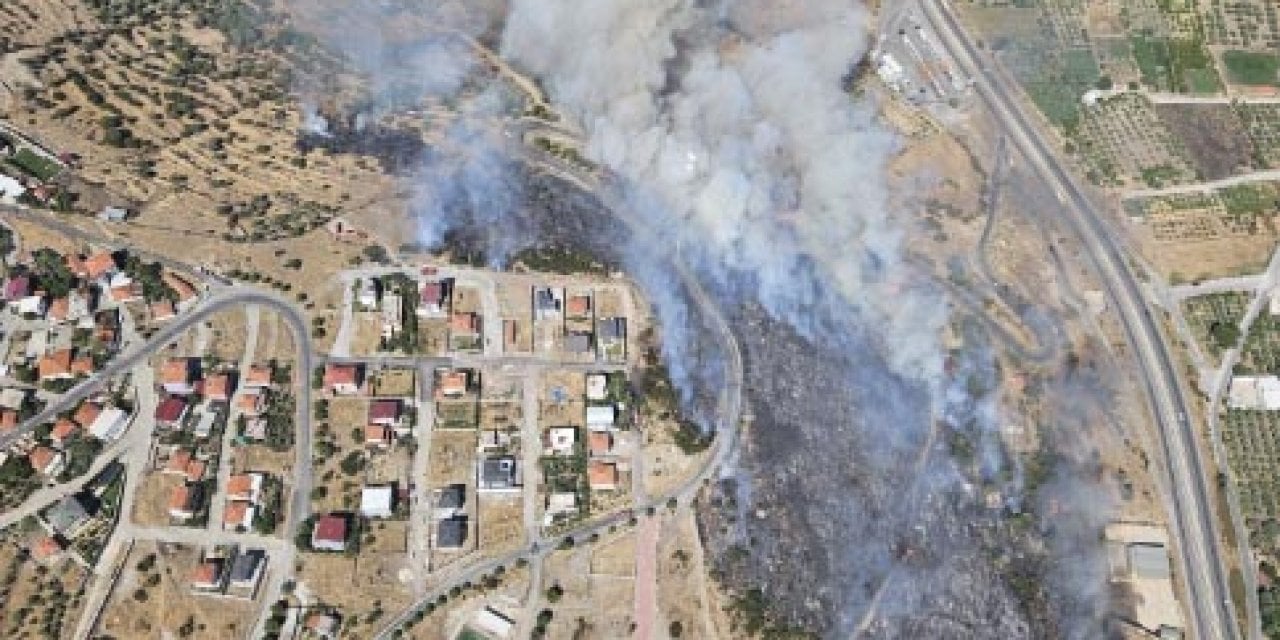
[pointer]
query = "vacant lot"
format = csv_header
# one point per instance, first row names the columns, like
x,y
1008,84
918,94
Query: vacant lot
x,y
366,332
395,383
153,599
604,603
151,506
453,456
457,414
38,597
363,588
500,520
227,333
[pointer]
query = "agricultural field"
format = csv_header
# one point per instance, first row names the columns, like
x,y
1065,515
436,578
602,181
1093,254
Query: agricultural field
x,y
1261,351
1215,320
1216,141
1123,142
1250,24
1262,123
1196,236
1252,67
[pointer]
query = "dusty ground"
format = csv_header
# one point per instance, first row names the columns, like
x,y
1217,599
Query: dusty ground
x,y
357,586
562,399
367,332
500,523
617,558
604,603
394,383
665,465
33,588
345,428
169,602
682,579
227,336
151,506
275,341
452,458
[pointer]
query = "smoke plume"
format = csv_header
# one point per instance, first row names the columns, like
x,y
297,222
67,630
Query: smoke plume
x,y
730,148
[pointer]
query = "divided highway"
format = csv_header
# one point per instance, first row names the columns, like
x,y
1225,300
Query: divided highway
x,y
1194,523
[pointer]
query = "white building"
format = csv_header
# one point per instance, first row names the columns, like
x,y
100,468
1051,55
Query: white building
x,y
597,386
1254,392
392,320
600,418
10,190
367,294
109,424
494,623
560,440
376,502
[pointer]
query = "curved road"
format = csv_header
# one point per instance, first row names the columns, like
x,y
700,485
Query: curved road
x,y
1195,525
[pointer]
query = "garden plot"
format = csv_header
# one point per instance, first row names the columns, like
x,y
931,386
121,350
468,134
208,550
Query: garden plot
x,y
1215,320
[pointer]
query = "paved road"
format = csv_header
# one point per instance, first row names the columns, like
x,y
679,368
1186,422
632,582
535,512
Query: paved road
x,y
1195,527
219,301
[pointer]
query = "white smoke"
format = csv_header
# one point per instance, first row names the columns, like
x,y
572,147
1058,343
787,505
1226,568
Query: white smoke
x,y
733,120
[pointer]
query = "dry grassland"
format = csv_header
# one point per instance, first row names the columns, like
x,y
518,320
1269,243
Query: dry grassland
x,y
168,602
501,525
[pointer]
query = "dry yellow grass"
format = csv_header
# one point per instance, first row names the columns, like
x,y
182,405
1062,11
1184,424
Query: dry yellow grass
x,y
453,455
354,584
617,557
227,336
31,582
501,527
395,383
169,602
366,333
151,505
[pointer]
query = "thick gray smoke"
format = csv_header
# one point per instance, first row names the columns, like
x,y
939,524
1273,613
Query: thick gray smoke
x,y
731,119
730,146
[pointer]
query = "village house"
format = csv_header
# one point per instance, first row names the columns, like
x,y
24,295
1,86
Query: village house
x,y
343,379
367,294
245,487
46,461
62,431
258,377
251,403
46,550
377,501
219,387
330,533
162,310
185,501
561,440
238,515
385,413
178,376
207,575
578,306
68,516
602,476
434,298
247,570
600,443
55,366
109,424
453,384
379,436
171,411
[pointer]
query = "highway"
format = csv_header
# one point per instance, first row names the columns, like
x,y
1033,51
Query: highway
x,y
1202,569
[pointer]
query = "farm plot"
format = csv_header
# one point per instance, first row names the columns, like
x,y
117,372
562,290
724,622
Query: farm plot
x,y
1215,320
1261,351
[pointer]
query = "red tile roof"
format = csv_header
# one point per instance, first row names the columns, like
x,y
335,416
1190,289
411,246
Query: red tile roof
x,y
41,457
46,548
8,420
340,374
384,410
98,264
218,386
55,364
240,487
331,528
87,413
600,442
578,305
602,475
171,409
63,429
